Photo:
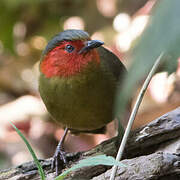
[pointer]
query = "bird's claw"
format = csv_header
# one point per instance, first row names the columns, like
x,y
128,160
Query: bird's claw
x,y
59,160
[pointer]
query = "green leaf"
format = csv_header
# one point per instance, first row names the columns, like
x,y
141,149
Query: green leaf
x,y
162,34
92,161
41,172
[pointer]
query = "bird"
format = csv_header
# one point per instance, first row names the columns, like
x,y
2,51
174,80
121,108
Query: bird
x,y
78,83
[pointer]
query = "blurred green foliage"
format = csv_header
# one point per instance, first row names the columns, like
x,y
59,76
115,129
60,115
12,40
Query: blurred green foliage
x,y
46,18
3,160
162,34
42,17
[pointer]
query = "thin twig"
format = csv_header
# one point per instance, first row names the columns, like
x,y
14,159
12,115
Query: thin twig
x,y
133,114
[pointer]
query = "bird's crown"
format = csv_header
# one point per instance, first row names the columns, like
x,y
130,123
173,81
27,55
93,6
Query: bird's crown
x,y
67,35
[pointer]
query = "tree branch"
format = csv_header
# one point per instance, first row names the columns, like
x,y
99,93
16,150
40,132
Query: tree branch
x,y
143,141
154,166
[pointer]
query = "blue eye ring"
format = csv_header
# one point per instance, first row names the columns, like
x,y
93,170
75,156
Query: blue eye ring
x,y
69,48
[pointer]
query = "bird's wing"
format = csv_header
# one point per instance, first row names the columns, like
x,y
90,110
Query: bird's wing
x,y
112,62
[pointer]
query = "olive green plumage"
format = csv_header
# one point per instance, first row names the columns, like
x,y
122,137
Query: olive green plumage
x,y
83,101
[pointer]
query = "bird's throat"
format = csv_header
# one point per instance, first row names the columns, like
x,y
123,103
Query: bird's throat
x,y
54,65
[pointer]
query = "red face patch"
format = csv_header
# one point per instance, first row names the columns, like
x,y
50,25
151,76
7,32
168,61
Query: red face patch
x,y
65,60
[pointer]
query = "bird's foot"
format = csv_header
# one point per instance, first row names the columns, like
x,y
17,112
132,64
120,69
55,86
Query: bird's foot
x,y
59,161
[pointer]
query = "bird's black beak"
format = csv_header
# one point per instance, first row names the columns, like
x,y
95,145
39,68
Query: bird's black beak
x,y
91,45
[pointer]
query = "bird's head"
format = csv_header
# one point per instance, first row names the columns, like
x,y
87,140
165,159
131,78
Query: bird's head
x,y
68,53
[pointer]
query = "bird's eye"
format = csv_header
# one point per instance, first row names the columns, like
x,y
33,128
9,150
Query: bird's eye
x,y
69,48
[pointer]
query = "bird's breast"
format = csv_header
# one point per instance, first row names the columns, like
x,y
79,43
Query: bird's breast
x,y
81,102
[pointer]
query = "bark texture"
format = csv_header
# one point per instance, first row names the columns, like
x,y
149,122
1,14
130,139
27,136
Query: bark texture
x,y
152,152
